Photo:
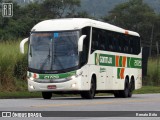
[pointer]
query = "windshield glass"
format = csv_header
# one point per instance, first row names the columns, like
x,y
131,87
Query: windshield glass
x,y
53,50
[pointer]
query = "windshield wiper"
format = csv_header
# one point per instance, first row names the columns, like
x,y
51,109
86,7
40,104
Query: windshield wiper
x,y
54,59
30,53
48,58
49,55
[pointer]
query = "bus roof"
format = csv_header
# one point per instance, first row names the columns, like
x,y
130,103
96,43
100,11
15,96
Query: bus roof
x,y
75,24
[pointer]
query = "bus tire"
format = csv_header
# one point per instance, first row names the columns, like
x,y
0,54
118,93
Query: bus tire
x,y
130,90
46,95
131,87
124,93
117,94
91,93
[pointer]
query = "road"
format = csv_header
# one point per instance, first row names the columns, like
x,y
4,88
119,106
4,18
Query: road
x,y
139,102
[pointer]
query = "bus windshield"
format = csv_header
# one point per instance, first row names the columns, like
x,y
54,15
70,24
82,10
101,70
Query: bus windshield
x,y
53,50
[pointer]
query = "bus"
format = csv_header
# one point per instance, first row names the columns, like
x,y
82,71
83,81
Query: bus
x,y
83,56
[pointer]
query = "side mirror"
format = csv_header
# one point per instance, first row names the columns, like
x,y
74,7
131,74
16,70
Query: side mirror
x,y
80,43
22,45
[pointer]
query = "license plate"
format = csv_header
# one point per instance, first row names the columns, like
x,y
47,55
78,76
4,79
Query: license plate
x,y
51,86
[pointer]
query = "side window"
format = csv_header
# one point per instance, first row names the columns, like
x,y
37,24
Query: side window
x,y
106,40
115,42
137,48
126,44
94,44
102,40
121,43
110,42
97,40
132,47
130,44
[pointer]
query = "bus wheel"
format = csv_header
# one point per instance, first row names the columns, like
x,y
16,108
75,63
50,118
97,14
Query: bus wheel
x,y
131,88
125,93
117,94
91,93
46,95
130,91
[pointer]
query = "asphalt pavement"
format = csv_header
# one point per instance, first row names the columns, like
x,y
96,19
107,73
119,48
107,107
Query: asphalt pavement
x,y
105,107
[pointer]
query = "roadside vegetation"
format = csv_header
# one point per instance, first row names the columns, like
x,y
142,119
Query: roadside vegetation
x,y
13,67
153,72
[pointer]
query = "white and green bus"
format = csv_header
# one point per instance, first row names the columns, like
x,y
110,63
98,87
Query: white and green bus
x,y
78,55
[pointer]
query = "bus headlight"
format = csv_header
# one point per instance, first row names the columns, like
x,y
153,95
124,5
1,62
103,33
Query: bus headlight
x,y
31,78
73,85
73,77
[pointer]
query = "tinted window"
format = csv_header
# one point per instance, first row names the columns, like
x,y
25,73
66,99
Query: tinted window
x,y
115,42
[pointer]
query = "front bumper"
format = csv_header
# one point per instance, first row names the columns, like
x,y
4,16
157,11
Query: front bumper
x,y
71,85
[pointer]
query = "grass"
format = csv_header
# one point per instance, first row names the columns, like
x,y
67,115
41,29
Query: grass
x,y
147,89
9,58
153,72
19,94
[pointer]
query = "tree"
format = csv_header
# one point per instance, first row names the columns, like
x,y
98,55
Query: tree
x,y
8,26
25,17
134,15
59,8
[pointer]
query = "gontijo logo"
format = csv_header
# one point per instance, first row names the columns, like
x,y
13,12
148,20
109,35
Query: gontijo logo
x,y
105,59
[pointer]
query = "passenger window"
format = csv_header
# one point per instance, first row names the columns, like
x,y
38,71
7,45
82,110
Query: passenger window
x,y
115,42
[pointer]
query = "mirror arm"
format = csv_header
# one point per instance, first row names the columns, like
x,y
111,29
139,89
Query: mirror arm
x,y
80,42
22,45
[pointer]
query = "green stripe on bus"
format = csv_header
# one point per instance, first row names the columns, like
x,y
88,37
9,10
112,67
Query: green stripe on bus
x,y
128,62
109,60
118,72
134,62
56,76
120,61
